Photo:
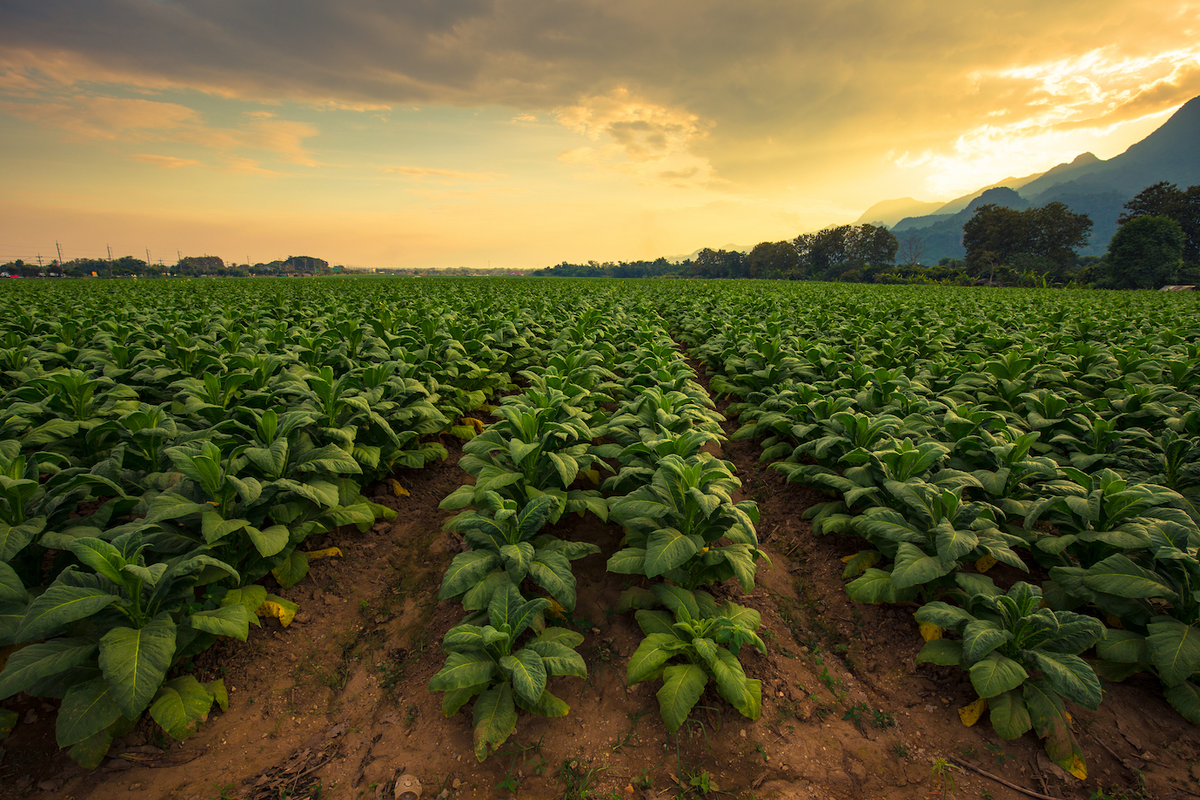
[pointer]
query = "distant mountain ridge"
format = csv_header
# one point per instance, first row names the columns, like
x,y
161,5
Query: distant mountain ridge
x,y
1087,185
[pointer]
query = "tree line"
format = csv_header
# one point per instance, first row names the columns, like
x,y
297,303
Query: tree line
x,y
1157,243
187,266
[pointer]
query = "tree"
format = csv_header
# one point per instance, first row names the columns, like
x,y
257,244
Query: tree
x,y
996,236
992,235
773,260
1145,253
830,253
1164,199
912,247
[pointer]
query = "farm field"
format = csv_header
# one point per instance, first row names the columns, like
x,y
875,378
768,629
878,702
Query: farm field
x,y
638,539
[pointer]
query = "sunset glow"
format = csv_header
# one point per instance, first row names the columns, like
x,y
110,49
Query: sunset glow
x,y
520,134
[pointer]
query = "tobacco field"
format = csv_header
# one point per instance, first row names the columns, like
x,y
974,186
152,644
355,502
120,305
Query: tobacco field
x,y
510,537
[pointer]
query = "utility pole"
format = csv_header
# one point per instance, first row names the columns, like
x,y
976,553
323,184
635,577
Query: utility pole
x,y
39,261
59,248
109,246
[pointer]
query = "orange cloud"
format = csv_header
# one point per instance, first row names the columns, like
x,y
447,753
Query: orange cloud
x,y
167,162
431,172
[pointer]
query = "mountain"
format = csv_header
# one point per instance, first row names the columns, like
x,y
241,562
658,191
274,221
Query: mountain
x,y
1087,185
1073,168
889,212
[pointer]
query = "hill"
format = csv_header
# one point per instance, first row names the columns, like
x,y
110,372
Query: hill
x,y
1086,185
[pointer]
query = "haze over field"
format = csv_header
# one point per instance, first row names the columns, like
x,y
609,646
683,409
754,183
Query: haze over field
x,y
521,133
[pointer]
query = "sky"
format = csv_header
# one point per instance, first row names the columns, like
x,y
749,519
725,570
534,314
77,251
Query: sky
x,y
523,133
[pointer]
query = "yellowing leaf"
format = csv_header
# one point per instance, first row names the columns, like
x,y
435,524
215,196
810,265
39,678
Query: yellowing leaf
x,y
970,713
593,475
1077,768
280,609
1114,622
474,423
397,489
929,631
984,564
556,610
328,552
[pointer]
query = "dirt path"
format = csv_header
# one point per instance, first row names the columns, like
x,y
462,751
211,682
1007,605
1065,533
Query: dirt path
x,y
336,705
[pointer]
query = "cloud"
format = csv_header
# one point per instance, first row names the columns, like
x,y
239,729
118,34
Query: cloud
x,y
637,137
167,162
430,172
1061,105
121,119
757,95
106,118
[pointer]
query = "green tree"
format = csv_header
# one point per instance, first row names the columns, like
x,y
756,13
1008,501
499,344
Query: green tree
x,y
1145,253
831,253
773,260
1164,199
996,236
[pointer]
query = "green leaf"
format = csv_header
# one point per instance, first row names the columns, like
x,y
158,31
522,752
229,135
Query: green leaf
x,y
1050,722
559,659
14,538
292,569
733,685
495,719
269,541
1126,647
995,674
945,652
135,661
516,558
1185,698
668,548
654,650
181,706
214,527
42,660
1009,716
479,596
952,618
462,670
465,571
91,751
101,556
914,568
548,706
953,543
876,586
563,636
682,686
652,622
1070,676
1174,649
527,673
12,590
228,620
630,561
454,699
553,573
87,709
1119,576
59,605
980,637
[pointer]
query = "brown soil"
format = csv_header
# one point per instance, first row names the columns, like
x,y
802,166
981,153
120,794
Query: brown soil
x,y
336,705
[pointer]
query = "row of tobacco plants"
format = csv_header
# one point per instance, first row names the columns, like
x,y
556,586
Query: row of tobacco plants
x,y
1024,465
682,531
167,448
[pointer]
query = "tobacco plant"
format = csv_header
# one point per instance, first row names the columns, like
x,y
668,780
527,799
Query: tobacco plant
x,y
489,663
708,639
674,526
1023,660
